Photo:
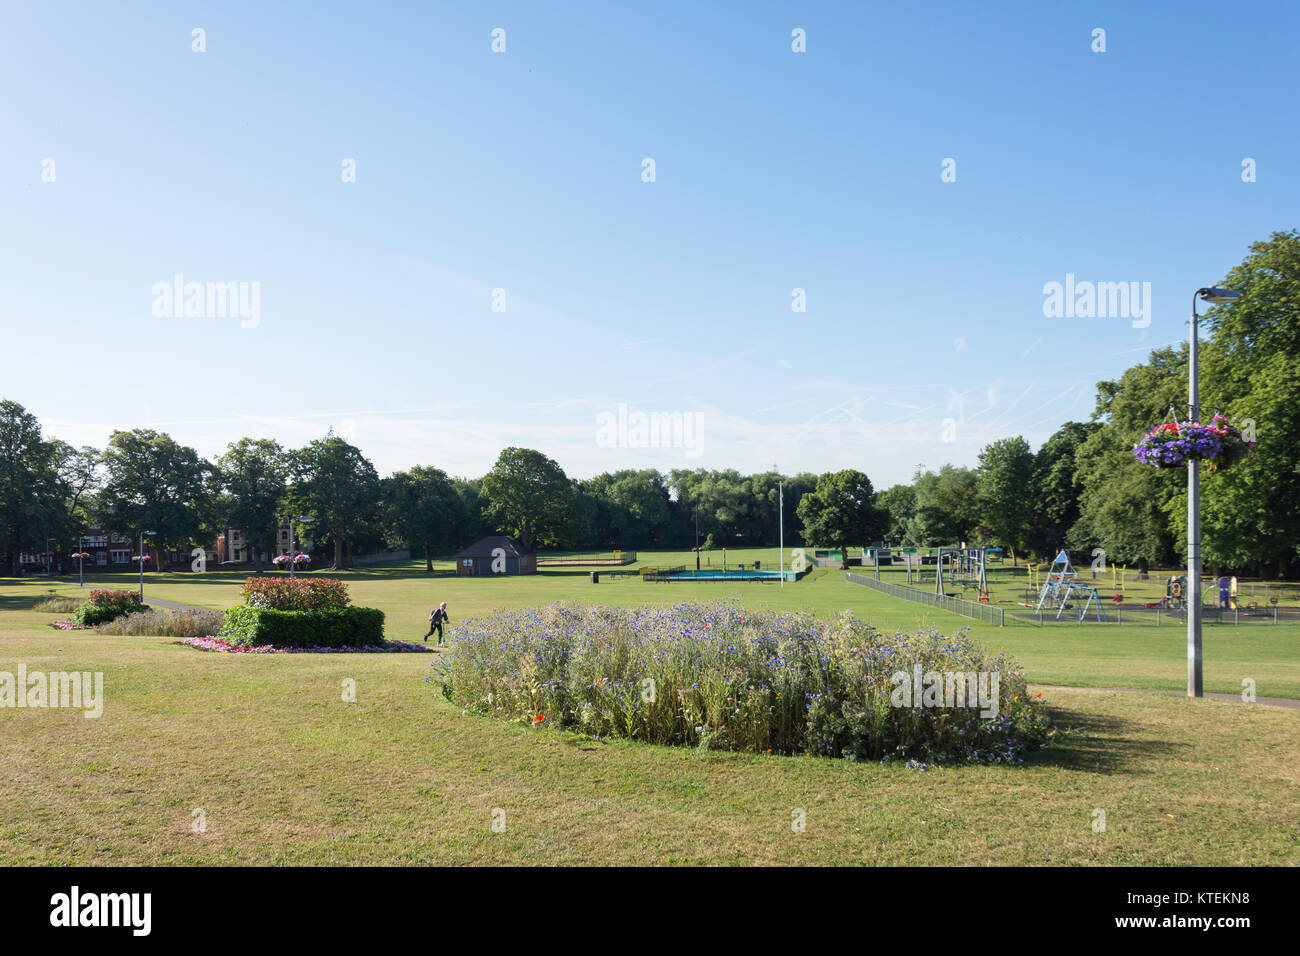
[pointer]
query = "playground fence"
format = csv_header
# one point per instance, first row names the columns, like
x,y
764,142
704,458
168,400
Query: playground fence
x,y
986,613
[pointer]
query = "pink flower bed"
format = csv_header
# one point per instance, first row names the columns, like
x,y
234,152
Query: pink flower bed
x,y
217,644
69,626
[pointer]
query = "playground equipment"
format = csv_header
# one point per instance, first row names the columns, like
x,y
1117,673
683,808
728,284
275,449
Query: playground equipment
x,y
1060,586
965,567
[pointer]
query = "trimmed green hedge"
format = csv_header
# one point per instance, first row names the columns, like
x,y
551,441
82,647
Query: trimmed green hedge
x,y
92,615
331,627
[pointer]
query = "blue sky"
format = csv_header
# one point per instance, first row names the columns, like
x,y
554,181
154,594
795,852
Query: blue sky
x,y
522,171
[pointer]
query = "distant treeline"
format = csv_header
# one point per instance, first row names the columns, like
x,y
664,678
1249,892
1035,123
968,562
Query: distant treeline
x,y
1082,489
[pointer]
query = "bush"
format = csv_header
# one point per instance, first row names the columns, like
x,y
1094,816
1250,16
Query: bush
x,y
296,594
719,676
187,623
248,626
105,605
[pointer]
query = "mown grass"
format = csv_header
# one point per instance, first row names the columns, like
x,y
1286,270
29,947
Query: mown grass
x,y
286,772
1139,655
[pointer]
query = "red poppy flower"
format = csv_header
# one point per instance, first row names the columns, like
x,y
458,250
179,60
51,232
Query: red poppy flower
x,y
539,718
1040,694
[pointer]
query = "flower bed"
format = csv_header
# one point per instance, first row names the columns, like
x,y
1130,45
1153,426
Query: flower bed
x,y
188,622
719,676
297,594
69,626
303,613
227,647
105,605
1219,444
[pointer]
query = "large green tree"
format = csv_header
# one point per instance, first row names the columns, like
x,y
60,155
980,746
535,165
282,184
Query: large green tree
x,y
1053,500
335,484
946,511
423,510
528,496
252,476
154,483
1004,492
842,511
33,494
1251,512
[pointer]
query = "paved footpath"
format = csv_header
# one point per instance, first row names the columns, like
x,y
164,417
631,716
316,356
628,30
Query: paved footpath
x,y
1270,701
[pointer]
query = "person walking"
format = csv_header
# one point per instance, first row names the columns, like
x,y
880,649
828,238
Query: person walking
x,y
437,618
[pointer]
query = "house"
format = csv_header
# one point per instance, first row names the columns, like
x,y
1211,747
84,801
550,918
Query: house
x,y
495,554
233,547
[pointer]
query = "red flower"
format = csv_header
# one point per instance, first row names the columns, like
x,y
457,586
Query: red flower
x,y
539,718
1040,693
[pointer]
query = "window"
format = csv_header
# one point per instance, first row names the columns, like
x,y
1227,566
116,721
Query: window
x,y
121,557
468,562
284,536
101,557
95,541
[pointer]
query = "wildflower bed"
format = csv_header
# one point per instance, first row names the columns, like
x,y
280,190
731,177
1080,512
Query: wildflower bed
x,y
719,676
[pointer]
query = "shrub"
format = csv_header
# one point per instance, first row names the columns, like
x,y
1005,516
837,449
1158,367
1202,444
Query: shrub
x,y
719,676
105,605
191,622
296,594
247,626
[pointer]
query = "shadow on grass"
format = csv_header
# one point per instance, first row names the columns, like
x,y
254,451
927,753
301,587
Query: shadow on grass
x,y
1098,743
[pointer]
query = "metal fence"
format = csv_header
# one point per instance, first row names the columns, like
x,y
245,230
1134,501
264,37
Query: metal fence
x,y
986,613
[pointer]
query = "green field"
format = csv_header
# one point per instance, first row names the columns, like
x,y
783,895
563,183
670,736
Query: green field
x,y
286,772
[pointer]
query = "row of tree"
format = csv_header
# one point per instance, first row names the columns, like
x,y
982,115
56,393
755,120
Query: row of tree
x,y
1082,489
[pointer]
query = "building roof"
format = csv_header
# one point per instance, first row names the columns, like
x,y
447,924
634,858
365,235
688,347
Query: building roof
x,y
483,548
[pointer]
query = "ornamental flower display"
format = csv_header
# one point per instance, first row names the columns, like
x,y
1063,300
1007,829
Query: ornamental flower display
x,y
1173,444
297,559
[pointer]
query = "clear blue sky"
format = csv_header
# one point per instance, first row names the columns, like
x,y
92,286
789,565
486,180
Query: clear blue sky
x,y
522,171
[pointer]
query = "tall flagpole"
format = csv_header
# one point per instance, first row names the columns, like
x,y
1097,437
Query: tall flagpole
x,y
780,485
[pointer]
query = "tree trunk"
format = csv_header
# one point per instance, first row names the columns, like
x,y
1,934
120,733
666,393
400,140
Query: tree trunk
x,y
338,553
844,557
428,558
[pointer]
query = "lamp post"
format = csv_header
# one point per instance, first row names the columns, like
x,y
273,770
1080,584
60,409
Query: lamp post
x,y
140,554
81,556
697,539
305,519
780,508
1195,686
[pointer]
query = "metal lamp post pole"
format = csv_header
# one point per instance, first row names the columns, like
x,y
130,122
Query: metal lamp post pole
x,y
290,547
697,539
1195,684
81,561
1195,687
781,534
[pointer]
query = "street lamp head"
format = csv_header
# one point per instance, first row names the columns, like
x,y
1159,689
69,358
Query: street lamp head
x,y
304,518
1214,294
148,532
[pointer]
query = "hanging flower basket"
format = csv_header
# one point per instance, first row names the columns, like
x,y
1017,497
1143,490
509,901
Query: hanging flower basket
x,y
1172,445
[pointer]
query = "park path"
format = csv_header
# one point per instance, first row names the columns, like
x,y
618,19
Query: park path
x,y
1270,701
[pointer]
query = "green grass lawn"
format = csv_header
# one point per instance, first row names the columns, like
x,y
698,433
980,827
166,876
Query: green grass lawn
x,y
287,772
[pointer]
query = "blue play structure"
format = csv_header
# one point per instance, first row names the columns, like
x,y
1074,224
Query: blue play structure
x,y
1060,587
